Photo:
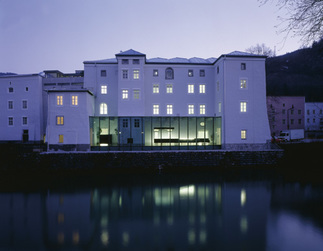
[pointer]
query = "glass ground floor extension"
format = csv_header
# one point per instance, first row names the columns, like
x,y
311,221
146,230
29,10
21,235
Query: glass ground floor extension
x,y
155,133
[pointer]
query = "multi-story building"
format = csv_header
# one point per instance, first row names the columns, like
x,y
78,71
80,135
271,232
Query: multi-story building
x,y
285,112
131,102
314,119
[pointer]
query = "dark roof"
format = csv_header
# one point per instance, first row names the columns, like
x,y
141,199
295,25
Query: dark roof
x,y
70,90
131,52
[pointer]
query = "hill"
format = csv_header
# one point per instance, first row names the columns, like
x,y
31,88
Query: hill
x,y
299,73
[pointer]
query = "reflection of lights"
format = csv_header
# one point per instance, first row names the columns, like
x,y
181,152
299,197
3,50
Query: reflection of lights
x,y
76,237
218,192
187,190
104,221
243,197
202,218
163,197
243,224
60,237
105,238
125,238
120,201
203,236
170,220
156,219
191,218
191,237
60,218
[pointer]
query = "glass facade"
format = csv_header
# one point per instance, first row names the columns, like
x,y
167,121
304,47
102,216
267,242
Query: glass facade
x,y
155,133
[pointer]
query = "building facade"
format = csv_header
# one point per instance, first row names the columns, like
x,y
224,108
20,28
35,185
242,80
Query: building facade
x,y
133,103
285,112
314,119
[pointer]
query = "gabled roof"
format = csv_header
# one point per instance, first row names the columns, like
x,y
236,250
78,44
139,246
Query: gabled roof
x,y
130,52
178,60
102,61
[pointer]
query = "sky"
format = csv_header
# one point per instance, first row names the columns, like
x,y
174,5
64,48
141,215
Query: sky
x,y
37,35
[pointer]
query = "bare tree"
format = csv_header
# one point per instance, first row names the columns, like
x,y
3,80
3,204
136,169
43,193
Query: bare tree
x,y
261,49
305,19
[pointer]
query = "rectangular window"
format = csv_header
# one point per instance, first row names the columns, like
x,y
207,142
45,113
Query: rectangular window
x,y
59,120
60,138
24,120
10,89
136,94
190,73
103,73
190,109
243,134
243,66
202,88
220,106
135,74
124,94
243,84
284,121
283,111
190,88
125,123
125,74
104,89
10,121
308,112
299,121
137,123
10,104
169,109
155,88
243,106
202,109
155,109
75,100
299,112
135,61
202,73
24,104
125,61
313,111
218,86
169,88
155,73
59,100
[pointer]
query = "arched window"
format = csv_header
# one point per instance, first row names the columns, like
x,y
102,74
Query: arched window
x,y
103,108
169,73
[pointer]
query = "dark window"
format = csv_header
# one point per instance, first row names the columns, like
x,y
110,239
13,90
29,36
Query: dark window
x,y
243,66
137,123
125,123
135,61
202,73
125,61
169,73
103,73
10,89
190,73
155,73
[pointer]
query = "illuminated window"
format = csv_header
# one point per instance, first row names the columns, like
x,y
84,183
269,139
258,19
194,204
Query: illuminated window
x,y
136,94
59,100
59,120
202,109
61,138
125,74
103,73
243,106
75,100
190,109
155,109
156,88
155,73
76,237
190,73
10,121
104,89
243,134
135,74
124,94
103,108
169,109
220,106
202,88
169,73
10,104
60,237
24,120
190,88
169,88
243,84
24,104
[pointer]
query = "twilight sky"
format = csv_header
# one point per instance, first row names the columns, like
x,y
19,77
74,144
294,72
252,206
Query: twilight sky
x,y
37,35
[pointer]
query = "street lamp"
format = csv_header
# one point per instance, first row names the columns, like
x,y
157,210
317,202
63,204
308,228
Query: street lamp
x,y
292,108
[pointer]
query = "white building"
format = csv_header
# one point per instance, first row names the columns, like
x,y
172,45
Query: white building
x,y
314,118
133,103
21,108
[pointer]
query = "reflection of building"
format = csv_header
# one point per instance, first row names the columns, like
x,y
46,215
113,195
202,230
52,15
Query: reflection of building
x,y
130,102
314,119
285,112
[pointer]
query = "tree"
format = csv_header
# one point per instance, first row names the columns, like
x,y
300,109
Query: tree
x,y
305,19
261,49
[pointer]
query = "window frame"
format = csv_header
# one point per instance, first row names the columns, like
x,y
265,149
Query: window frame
x,y
104,89
169,89
60,120
103,108
202,107
169,73
59,100
125,94
243,84
125,74
10,105
190,109
243,106
103,73
155,88
74,100
169,109
190,73
24,119
190,88
243,134
156,110
136,74
11,121
202,88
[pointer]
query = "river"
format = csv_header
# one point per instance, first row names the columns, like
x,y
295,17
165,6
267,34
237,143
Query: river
x,y
201,211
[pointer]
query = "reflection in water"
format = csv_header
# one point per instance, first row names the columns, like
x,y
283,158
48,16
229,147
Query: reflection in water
x,y
207,216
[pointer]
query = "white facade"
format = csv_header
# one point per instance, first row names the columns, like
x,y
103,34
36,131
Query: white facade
x,y
21,106
314,116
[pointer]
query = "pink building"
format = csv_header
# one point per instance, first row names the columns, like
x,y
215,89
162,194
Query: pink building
x,y
285,112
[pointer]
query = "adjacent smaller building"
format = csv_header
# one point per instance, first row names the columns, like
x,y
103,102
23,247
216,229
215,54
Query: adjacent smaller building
x,y
314,119
285,112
